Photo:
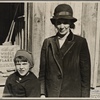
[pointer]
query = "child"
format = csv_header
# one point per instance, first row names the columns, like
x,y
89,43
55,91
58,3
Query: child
x,y
22,83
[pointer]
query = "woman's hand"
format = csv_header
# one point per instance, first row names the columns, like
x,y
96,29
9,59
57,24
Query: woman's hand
x,y
42,96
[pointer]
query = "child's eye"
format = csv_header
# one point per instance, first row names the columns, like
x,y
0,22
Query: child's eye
x,y
24,63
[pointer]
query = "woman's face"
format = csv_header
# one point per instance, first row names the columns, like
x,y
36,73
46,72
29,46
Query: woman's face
x,y
22,68
62,26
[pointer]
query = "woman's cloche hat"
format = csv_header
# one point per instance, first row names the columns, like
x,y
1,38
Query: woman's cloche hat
x,y
63,11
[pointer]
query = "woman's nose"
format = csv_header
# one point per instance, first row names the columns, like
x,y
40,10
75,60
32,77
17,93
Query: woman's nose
x,y
62,25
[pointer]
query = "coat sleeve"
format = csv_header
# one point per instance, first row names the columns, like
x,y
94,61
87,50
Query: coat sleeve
x,y
7,89
85,69
34,89
42,67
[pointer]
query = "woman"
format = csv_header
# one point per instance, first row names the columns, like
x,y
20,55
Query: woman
x,y
65,59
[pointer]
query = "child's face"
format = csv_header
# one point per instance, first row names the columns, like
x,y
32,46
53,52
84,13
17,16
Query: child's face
x,y
22,67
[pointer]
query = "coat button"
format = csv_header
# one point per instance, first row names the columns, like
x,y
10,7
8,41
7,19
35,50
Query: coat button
x,y
59,77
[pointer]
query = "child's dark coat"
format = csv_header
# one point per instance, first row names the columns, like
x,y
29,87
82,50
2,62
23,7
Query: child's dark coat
x,y
27,87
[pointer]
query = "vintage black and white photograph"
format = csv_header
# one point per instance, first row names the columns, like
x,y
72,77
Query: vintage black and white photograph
x,y
50,49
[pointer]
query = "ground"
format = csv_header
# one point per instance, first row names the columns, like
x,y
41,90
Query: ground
x,y
95,93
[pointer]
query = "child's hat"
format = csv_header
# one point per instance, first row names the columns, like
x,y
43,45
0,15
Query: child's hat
x,y
26,54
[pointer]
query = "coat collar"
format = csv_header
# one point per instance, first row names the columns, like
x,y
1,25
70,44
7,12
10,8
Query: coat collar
x,y
23,78
70,37
69,42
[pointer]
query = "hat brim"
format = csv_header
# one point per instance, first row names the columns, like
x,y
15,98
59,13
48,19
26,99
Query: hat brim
x,y
72,19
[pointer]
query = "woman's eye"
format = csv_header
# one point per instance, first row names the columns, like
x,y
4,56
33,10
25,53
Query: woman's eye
x,y
66,22
58,23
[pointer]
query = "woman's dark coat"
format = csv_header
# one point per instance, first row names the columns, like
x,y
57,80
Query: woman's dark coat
x,y
65,71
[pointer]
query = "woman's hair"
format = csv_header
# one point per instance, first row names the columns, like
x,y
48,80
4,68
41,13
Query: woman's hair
x,y
72,25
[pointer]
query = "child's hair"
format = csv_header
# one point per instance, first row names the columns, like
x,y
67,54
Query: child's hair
x,y
20,59
24,56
